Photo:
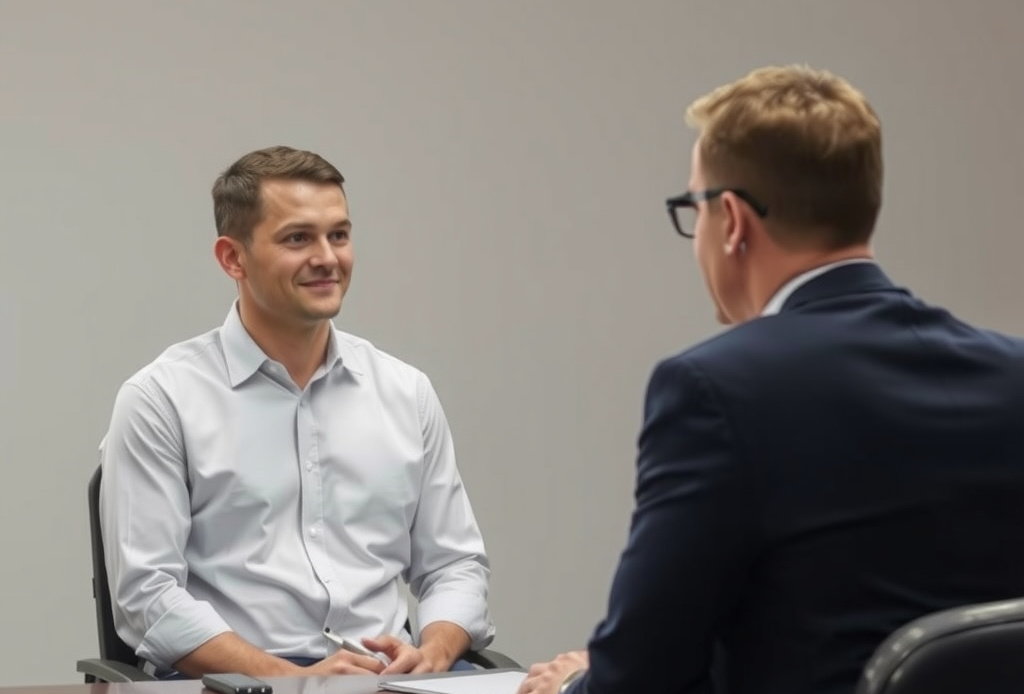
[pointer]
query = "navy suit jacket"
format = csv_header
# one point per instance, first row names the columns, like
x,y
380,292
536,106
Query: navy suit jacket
x,y
807,483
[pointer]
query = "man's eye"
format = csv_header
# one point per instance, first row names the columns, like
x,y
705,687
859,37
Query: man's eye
x,y
339,235
296,238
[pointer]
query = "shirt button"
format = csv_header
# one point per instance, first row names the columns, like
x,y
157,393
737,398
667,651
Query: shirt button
x,y
313,532
309,464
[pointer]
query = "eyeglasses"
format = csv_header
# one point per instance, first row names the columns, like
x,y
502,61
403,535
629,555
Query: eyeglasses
x,y
685,205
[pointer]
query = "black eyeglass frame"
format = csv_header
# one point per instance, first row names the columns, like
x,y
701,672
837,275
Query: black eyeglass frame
x,y
690,199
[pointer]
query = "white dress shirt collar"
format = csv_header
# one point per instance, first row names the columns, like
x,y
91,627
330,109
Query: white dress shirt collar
x,y
244,357
775,304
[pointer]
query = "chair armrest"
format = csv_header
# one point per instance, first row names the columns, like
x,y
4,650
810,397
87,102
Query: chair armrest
x,y
111,671
490,659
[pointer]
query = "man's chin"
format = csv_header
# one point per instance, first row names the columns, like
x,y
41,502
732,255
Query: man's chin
x,y
318,313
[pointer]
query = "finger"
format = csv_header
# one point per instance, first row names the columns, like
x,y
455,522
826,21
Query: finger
x,y
369,663
405,662
384,642
393,651
338,667
406,658
363,663
434,665
342,661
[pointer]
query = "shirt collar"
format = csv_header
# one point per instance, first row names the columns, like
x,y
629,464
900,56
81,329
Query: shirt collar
x,y
774,304
244,357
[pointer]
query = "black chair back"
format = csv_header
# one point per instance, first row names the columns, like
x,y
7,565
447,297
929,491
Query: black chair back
x,y
975,649
111,645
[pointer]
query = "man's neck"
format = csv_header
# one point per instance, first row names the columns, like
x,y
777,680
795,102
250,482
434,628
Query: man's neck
x,y
301,348
769,277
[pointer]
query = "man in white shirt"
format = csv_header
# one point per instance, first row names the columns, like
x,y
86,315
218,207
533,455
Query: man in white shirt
x,y
276,477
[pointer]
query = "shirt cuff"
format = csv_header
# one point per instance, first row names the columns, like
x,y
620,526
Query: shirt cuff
x,y
468,611
179,631
573,682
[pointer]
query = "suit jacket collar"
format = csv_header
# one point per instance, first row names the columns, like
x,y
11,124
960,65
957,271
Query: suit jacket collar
x,y
846,279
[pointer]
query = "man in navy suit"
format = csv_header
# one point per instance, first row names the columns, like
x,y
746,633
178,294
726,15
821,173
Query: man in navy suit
x,y
845,459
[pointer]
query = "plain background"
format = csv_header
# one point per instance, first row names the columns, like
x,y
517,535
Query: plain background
x,y
507,164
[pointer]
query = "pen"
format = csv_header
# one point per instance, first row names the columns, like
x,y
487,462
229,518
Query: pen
x,y
354,647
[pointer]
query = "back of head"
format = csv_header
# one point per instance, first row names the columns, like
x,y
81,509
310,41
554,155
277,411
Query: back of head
x,y
805,144
237,205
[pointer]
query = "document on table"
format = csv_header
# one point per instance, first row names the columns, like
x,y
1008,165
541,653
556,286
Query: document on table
x,y
483,683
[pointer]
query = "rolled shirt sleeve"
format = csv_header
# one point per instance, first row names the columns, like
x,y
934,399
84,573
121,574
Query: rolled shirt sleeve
x,y
145,519
449,570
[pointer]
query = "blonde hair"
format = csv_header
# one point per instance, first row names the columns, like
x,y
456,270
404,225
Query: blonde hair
x,y
804,143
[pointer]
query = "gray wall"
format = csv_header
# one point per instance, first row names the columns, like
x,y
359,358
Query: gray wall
x,y
508,163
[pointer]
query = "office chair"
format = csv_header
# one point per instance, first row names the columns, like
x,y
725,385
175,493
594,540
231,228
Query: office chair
x,y
118,662
974,649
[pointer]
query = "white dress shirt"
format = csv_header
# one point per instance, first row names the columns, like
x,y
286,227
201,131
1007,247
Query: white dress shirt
x,y
233,500
778,299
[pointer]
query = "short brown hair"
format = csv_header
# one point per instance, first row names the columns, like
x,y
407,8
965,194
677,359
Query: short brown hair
x,y
804,143
237,203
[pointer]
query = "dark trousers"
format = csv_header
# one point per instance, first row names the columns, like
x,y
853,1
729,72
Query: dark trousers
x,y
303,662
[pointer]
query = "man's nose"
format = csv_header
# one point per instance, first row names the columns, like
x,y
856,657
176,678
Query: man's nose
x,y
323,254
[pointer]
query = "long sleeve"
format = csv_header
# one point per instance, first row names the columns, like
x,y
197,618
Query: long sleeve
x,y
688,549
449,569
146,518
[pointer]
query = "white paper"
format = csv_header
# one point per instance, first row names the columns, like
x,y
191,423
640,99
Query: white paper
x,y
484,683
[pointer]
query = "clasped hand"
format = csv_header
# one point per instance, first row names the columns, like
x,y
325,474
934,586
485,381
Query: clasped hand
x,y
546,678
405,658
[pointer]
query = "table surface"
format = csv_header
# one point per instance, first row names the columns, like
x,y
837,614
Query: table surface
x,y
342,684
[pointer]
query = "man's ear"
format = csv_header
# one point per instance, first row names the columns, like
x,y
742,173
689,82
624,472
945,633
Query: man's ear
x,y
230,253
737,217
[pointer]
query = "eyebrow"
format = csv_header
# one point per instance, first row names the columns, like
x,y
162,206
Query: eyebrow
x,y
293,227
